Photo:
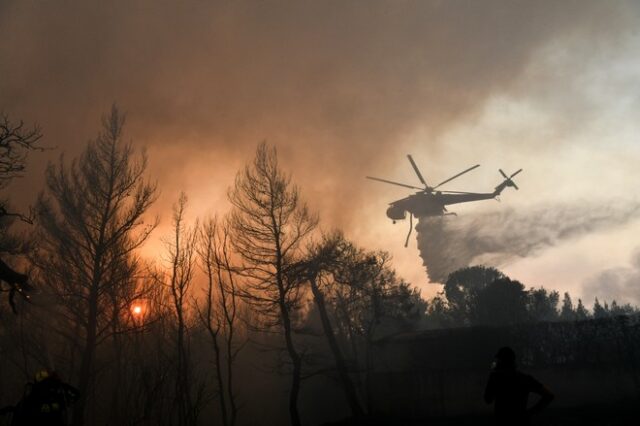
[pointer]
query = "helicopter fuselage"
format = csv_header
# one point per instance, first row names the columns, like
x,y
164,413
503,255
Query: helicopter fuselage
x,y
419,205
423,204
432,202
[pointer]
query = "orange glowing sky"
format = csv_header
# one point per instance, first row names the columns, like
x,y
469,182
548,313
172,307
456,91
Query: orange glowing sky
x,y
344,90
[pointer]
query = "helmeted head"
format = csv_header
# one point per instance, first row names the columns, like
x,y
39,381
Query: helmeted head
x,y
41,375
505,358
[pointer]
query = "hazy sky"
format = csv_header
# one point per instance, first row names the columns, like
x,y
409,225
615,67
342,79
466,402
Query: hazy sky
x,y
346,89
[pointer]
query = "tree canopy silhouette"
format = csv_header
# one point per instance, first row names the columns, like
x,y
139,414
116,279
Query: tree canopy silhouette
x,y
269,226
91,222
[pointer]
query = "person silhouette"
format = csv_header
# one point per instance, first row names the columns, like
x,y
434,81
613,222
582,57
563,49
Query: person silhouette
x,y
44,403
509,390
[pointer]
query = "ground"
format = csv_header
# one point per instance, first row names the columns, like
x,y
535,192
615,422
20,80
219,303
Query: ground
x,y
623,414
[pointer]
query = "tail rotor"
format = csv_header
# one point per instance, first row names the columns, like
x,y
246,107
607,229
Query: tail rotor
x,y
506,182
507,179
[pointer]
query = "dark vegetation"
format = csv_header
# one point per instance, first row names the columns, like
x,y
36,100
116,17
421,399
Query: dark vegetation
x,y
256,317
481,295
435,374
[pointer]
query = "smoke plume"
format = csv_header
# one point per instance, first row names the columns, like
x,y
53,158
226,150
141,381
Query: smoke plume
x,y
336,85
495,238
621,284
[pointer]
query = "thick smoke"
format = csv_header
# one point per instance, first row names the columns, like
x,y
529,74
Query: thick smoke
x,y
336,85
495,238
621,284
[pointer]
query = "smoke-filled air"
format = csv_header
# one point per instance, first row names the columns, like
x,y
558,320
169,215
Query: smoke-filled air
x,y
319,213
499,237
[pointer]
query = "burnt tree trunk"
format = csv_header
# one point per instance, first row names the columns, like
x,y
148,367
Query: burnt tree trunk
x,y
341,365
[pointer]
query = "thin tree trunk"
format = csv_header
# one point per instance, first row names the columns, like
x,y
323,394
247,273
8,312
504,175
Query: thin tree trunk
x,y
219,377
232,400
343,372
288,333
229,317
297,365
87,359
295,380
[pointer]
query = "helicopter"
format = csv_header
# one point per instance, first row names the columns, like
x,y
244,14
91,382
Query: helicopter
x,y
429,201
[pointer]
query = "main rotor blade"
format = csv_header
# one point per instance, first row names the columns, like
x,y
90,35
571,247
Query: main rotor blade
x,y
458,175
515,173
417,171
394,183
457,192
503,174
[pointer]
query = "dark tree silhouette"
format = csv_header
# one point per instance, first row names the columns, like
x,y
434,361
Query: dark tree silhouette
x,y
625,309
481,295
582,313
502,302
600,311
16,141
90,220
370,301
219,313
323,259
462,288
567,313
269,225
181,248
542,305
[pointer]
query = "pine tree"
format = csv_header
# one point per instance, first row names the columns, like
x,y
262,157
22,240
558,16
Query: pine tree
x,y
600,311
91,224
567,313
270,226
581,313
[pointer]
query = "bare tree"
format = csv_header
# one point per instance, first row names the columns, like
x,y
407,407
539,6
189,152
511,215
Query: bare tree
x,y
150,396
182,259
128,300
91,222
269,226
219,315
16,141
